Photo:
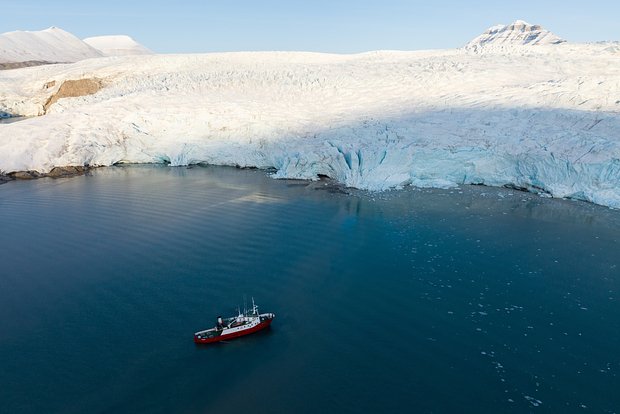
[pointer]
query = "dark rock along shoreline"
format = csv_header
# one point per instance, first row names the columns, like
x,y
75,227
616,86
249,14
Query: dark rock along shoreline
x,y
56,172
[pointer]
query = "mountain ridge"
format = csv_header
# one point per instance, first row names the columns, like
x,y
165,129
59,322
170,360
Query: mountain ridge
x,y
50,45
54,45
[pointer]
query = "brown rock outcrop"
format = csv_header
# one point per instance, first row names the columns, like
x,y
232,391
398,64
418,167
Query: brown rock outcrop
x,y
73,89
24,175
17,65
66,171
56,172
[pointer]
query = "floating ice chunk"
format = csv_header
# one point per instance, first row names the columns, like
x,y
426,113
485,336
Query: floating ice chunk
x,y
533,400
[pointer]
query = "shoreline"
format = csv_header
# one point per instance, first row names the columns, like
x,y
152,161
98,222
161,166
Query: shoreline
x,y
334,185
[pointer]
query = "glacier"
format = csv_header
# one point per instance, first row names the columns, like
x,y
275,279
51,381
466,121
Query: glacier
x,y
543,118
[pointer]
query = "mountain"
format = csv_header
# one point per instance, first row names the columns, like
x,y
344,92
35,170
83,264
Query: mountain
x,y
54,45
49,45
119,45
519,33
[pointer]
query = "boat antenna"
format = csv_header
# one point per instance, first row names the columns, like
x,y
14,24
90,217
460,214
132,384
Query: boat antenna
x,y
254,307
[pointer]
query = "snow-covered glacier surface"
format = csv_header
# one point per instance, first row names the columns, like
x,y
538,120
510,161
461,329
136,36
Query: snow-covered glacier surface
x,y
544,118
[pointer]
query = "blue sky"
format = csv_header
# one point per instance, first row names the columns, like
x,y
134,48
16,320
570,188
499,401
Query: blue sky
x,y
315,25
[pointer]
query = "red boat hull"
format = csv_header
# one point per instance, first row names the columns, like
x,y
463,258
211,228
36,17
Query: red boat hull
x,y
233,335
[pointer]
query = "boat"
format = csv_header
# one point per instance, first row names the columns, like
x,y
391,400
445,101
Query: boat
x,y
245,323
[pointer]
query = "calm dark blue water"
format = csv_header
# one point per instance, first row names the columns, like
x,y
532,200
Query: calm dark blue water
x,y
433,301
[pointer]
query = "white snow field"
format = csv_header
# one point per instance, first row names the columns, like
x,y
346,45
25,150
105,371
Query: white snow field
x,y
540,117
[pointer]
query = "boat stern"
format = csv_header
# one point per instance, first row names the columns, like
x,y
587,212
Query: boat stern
x,y
267,317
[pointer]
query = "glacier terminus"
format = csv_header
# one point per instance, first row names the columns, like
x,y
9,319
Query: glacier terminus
x,y
517,106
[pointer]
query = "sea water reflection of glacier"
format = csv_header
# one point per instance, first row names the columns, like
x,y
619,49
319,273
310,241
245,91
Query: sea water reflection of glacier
x,y
468,300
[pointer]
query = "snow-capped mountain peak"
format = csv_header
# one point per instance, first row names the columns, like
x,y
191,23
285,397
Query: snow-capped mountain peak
x,y
54,45
519,33
50,45
117,45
